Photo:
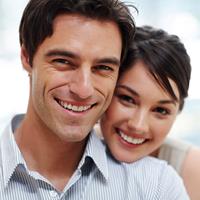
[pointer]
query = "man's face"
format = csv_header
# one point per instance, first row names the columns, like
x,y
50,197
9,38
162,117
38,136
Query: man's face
x,y
73,75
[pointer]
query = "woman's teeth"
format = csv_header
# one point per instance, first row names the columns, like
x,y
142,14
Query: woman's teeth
x,y
131,139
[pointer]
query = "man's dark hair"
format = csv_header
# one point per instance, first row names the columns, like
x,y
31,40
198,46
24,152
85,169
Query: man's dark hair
x,y
37,20
164,56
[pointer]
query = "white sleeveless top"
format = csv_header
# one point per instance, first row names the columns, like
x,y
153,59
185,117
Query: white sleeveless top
x,y
174,152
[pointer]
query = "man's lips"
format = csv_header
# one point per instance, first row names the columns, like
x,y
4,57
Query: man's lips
x,y
73,107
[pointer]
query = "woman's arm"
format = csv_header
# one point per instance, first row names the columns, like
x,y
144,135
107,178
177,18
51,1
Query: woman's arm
x,y
191,173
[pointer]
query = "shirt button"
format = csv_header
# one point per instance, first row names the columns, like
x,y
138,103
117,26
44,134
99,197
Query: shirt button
x,y
53,194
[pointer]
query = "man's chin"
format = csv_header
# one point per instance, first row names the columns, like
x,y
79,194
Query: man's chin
x,y
74,133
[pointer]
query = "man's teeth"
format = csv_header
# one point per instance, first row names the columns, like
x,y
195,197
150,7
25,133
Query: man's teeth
x,y
73,107
131,139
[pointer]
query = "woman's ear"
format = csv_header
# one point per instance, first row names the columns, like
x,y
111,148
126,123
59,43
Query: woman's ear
x,y
25,60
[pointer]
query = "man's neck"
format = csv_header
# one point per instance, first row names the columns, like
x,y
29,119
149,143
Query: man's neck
x,y
47,154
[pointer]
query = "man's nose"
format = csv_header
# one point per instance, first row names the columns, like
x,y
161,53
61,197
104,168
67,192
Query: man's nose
x,y
82,84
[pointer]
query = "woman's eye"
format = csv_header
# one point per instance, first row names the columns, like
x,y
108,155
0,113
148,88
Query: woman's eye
x,y
126,98
162,111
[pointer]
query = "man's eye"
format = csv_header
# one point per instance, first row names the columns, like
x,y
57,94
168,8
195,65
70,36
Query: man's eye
x,y
61,61
162,111
103,67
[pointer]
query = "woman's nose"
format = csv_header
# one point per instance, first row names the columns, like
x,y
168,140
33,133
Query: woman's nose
x,y
139,121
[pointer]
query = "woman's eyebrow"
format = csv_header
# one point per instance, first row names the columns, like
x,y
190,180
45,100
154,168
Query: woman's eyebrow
x,y
128,89
167,102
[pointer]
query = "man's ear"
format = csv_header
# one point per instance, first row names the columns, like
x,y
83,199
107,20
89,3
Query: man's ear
x,y
25,60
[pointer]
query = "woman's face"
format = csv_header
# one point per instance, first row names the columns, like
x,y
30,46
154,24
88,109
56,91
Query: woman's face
x,y
140,115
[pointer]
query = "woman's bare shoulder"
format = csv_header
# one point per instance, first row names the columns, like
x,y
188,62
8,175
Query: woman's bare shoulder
x,y
191,172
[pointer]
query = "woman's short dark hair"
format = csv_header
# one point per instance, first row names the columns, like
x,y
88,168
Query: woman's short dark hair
x,y
37,20
165,57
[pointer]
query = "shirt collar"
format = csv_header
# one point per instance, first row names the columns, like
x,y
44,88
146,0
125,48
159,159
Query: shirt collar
x,y
96,150
11,156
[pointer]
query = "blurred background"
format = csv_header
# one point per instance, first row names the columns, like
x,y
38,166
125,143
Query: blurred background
x,y
181,17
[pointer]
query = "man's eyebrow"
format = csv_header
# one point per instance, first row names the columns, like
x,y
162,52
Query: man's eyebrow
x,y
109,60
65,53
60,52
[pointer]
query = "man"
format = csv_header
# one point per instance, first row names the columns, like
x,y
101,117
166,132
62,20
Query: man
x,y
72,50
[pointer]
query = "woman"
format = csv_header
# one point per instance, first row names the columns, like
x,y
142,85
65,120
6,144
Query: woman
x,y
150,93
